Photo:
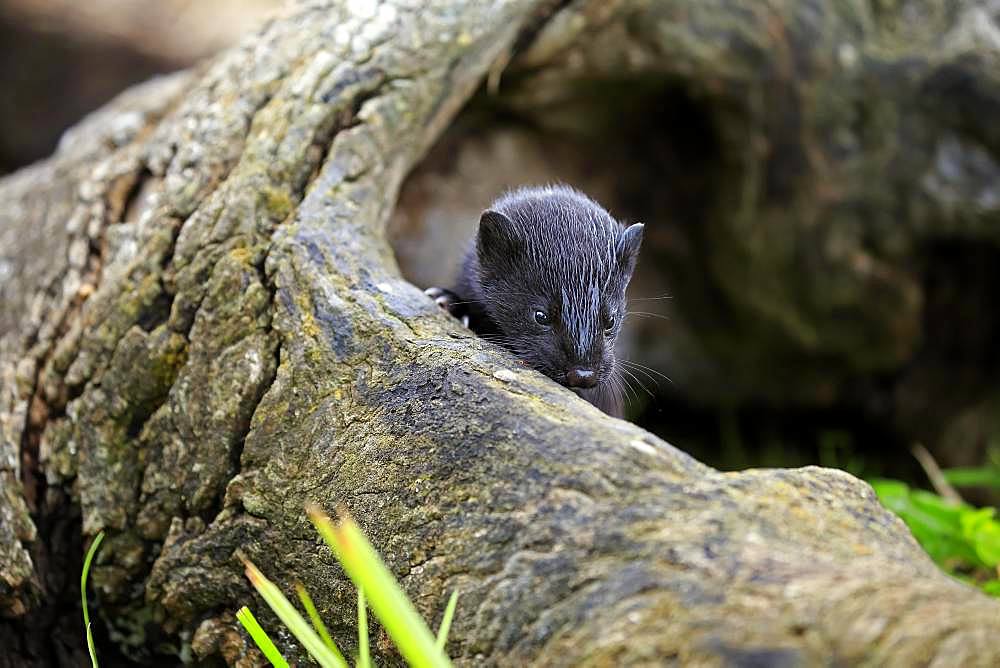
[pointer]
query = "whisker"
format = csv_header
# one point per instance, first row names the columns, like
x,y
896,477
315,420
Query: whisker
x,y
647,375
612,381
641,384
628,387
647,369
650,299
647,314
621,388
506,343
511,294
625,391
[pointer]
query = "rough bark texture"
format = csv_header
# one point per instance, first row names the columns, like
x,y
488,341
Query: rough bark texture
x,y
204,329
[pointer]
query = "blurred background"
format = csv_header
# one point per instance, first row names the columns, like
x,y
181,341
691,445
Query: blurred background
x,y
59,59
820,272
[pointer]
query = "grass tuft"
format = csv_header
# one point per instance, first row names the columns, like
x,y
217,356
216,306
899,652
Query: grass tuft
x,y
394,610
291,618
962,539
376,588
317,623
364,653
449,613
982,476
260,638
83,595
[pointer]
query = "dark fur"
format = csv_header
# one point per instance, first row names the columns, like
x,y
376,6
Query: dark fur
x,y
556,250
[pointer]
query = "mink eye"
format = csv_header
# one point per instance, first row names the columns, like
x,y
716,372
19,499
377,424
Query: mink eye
x,y
542,318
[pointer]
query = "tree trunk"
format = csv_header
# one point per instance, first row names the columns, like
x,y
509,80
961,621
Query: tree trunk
x,y
204,329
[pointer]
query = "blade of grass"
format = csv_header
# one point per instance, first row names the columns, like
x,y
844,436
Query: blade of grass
x,y
364,655
394,610
449,613
83,595
933,471
986,476
291,618
260,638
317,623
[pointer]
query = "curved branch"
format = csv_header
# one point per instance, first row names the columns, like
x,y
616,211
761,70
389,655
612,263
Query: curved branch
x,y
223,337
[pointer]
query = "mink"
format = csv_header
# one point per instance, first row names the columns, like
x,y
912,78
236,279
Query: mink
x,y
545,278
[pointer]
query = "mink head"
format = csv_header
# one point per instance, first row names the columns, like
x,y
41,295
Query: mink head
x,y
553,267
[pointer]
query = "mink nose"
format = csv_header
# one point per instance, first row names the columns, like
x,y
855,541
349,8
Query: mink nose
x,y
580,377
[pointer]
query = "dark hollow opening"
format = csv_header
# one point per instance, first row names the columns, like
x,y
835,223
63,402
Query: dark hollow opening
x,y
649,150
646,149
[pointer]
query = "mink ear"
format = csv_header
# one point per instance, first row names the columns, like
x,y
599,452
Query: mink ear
x,y
497,239
628,249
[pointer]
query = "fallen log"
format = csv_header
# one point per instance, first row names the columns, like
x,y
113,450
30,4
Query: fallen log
x,y
204,329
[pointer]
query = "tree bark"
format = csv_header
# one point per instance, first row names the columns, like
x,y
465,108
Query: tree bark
x,y
204,329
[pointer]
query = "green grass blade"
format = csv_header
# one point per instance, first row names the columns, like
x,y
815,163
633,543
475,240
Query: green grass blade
x,y
394,610
260,638
317,623
291,618
364,655
83,595
449,613
984,476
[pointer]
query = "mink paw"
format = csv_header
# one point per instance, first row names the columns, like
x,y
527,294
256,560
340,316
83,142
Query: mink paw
x,y
449,302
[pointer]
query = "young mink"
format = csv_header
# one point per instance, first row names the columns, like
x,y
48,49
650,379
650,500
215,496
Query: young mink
x,y
546,279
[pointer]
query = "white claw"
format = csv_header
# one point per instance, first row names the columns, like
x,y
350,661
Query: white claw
x,y
443,299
